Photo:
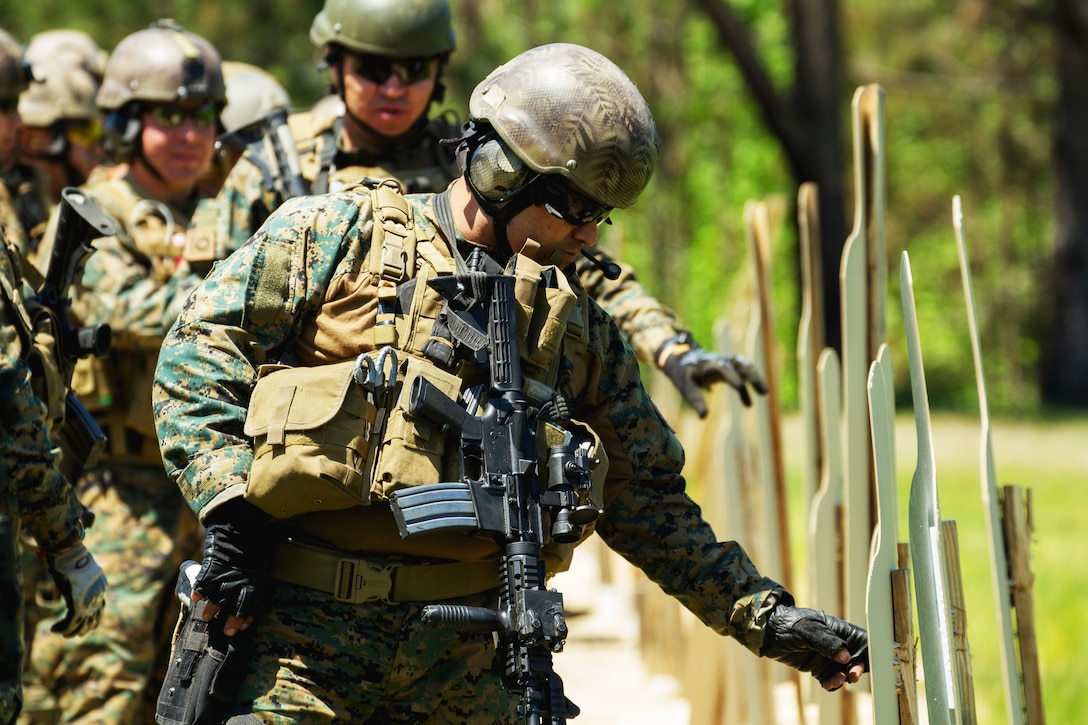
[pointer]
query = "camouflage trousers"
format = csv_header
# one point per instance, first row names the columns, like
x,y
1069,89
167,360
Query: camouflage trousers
x,y
143,530
318,661
11,610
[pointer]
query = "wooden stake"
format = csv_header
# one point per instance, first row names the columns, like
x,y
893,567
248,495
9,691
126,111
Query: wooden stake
x,y
905,672
957,607
1017,515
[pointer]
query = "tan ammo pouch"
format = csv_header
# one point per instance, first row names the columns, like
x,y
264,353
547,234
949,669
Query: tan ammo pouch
x,y
412,450
47,379
93,383
324,442
543,312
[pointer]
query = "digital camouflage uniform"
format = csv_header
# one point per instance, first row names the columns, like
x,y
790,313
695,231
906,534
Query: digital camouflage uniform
x,y
32,492
247,199
291,293
24,209
135,282
416,159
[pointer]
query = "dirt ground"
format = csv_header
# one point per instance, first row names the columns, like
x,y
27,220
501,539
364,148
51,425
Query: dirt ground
x,y
602,669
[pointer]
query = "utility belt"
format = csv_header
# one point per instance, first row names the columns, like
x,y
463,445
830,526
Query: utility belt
x,y
357,581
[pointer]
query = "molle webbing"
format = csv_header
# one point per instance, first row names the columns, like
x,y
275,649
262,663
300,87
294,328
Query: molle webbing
x,y
393,251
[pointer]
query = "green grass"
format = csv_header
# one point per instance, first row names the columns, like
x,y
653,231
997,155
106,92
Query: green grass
x,y
1047,456
1051,459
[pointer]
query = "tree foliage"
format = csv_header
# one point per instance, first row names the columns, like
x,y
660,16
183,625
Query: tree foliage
x,y
970,90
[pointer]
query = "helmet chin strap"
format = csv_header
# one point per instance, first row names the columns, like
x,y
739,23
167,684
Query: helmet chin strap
x,y
139,155
500,216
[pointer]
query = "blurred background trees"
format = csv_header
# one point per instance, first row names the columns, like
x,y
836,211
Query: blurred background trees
x,y
984,99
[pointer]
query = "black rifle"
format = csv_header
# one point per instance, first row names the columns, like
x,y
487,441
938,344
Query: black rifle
x,y
500,494
287,178
79,222
11,608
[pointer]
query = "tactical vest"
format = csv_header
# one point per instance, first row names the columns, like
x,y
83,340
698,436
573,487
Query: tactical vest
x,y
330,437
426,167
117,388
23,208
37,338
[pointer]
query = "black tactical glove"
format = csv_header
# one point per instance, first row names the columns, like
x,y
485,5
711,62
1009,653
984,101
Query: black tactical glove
x,y
236,553
693,368
809,640
82,583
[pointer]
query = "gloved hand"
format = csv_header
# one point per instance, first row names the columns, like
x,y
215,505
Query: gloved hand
x,y
236,553
82,582
811,641
694,368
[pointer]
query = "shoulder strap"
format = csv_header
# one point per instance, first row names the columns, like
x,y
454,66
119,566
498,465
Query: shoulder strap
x,y
9,285
326,152
392,254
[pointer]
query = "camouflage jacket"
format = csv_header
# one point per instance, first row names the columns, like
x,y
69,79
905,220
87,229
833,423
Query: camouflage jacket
x,y
247,198
32,491
267,300
24,208
136,281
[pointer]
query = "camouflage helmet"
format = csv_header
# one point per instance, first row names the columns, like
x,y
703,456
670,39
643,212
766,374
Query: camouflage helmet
x,y
68,47
252,94
14,70
567,110
162,63
58,92
394,28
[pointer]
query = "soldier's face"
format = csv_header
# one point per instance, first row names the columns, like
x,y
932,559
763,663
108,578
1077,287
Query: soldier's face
x,y
179,140
391,105
548,239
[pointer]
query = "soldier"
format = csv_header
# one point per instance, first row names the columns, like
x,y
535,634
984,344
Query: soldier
x,y
34,494
253,95
69,47
162,95
330,278
385,62
256,103
62,127
24,207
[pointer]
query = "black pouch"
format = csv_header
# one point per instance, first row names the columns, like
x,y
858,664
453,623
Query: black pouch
x,y
206,666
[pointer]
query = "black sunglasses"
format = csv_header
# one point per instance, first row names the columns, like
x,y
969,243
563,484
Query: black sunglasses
x,y
378,68
572,206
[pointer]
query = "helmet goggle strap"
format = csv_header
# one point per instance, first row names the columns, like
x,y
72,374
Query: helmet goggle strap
x,y
501,203
504,187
